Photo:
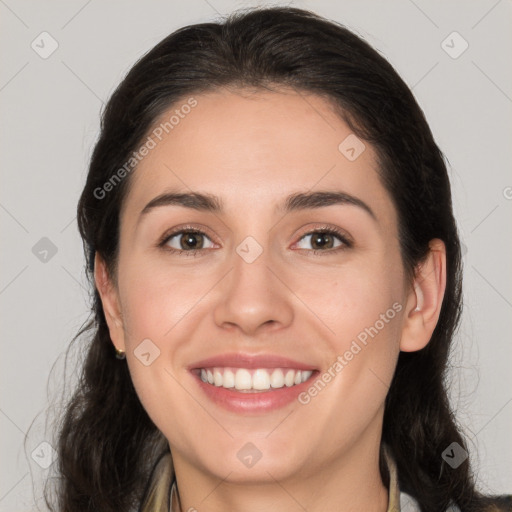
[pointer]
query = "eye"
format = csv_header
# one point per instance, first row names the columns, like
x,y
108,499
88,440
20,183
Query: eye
x,y
191,241
324,240
186,240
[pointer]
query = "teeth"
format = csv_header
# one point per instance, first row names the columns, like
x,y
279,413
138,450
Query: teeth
x,y
228,379
277,379
243,379
306,374
261,379
217,377
289,378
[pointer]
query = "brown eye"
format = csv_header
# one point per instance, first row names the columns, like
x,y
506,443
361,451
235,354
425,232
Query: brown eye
x,y
323,240
187,240
191,240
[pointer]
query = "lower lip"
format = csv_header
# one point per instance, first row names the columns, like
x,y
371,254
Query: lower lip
x,y
263,401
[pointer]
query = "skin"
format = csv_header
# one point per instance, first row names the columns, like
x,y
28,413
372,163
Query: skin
x,y
252,149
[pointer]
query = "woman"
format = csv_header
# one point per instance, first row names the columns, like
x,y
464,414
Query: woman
x,y
268,227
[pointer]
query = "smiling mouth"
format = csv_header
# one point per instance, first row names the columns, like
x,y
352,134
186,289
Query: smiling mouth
x,y
253,380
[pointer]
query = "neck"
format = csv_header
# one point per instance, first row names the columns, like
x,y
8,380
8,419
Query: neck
x,y
348,482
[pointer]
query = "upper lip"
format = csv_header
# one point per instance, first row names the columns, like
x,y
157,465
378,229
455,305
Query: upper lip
x,y
240,360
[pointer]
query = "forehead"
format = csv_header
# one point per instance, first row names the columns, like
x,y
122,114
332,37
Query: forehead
x,y
253,148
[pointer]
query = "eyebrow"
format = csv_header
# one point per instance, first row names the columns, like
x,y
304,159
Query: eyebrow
x,y
294,202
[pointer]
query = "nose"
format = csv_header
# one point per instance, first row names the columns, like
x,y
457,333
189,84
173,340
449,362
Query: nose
x,y
252,298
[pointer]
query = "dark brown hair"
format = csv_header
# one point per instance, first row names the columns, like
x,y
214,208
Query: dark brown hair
x,y
106,441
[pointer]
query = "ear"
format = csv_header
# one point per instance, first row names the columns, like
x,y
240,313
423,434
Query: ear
x,y
110,302
425,299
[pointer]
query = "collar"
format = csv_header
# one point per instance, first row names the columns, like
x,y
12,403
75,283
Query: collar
x,y
161,493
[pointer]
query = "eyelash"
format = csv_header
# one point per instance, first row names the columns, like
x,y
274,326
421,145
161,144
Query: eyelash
x,y
347,244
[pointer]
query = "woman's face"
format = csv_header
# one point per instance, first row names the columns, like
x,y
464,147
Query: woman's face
x,y
265,293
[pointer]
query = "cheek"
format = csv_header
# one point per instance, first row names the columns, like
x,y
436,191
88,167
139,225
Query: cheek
x,y
362,308
155,299
355,301
363,353
161,308
154,304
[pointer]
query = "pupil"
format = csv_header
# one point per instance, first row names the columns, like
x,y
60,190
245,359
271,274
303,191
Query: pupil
x,y
320,240
190,241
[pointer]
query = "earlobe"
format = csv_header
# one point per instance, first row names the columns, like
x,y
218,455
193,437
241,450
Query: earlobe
x,y
425,299
110,302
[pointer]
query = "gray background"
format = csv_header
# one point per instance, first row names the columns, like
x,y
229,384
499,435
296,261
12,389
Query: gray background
x,y
50,118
